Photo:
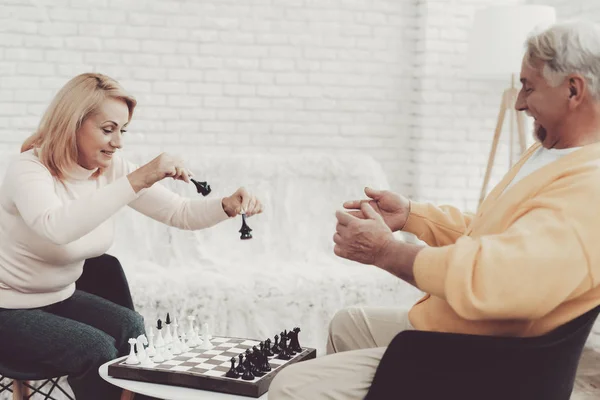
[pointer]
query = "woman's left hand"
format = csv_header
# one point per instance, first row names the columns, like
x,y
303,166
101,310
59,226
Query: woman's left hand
x,y
241,200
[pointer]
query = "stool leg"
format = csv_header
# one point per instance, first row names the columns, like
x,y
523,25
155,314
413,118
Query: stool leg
x,y
127,395
20,391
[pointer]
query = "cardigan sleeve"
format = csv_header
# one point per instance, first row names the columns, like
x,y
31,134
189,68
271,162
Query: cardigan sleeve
x,y
543,256
436,226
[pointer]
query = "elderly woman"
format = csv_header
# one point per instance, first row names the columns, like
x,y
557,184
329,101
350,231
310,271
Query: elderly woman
x,y
527,263
57,207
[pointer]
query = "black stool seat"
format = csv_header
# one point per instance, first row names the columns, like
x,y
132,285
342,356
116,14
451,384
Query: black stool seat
x,y
422,365
20,374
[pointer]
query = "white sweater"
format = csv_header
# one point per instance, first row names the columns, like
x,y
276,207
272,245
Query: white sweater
x,y
48,228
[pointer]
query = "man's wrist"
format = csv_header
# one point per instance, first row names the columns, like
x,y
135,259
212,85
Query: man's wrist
x,y
407,216
398,259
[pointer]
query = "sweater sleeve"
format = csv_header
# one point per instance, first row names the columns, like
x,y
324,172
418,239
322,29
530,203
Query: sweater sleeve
x,y
436,226
535,264
163,205
31,187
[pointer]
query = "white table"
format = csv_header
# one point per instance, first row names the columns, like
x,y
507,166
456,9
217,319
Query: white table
x,y
167,392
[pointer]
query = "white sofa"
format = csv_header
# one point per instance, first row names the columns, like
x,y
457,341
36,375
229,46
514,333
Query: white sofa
x,y
286,276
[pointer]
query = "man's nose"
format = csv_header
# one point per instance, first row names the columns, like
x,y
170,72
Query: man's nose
x,y
520,103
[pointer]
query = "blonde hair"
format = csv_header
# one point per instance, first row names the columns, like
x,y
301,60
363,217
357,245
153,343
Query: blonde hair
x,y
568,48
56,137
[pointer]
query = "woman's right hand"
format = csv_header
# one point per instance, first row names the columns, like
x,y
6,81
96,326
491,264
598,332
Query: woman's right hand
x,y
163,166
393,207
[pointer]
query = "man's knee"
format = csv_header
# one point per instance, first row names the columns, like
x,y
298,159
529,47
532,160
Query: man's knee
x,y
282,385
342,321
342,326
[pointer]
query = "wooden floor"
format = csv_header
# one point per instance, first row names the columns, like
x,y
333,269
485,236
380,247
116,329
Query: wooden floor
x,y
587,384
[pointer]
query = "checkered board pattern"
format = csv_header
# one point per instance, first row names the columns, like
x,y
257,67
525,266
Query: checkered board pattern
x,y
206,369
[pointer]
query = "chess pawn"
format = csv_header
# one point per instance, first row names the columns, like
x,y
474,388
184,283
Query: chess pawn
x,y
176,344
191,335
151,350
158,358
167,355
206,344
184,346
232,373
197,337
240,368
132,359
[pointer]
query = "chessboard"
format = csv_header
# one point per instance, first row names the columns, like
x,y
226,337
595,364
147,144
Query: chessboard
x,y
208,369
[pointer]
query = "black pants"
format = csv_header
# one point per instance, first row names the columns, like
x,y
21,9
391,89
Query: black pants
x,y
75,336
104,277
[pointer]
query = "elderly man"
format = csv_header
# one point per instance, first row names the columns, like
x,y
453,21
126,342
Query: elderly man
x,y
527,263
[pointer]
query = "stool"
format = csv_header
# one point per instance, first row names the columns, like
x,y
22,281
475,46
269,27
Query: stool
x,y
22,389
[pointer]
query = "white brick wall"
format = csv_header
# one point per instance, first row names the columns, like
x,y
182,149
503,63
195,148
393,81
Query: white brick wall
x,y
223,75
386,77
454,114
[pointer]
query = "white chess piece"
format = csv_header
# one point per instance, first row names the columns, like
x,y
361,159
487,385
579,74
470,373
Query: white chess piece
x,y
141,352
132,359
206,344
176,344
160,341
158,358
197,337
151,350
191,335
168,336
167,355
184,347
147,362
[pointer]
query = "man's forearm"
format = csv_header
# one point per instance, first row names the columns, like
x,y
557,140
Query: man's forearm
x,y
399,258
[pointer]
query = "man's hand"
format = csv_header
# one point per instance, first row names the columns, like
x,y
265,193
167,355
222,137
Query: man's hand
x,y
393,208
363,239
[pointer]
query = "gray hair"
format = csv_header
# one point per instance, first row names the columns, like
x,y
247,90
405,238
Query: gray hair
x,y
568,48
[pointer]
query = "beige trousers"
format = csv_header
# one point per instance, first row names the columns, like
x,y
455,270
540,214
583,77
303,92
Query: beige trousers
x,y
358,337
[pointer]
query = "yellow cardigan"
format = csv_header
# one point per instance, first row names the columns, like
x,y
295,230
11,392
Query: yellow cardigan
x,y
527,262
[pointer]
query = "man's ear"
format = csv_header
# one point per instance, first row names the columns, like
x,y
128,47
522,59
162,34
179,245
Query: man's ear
x,y
577,87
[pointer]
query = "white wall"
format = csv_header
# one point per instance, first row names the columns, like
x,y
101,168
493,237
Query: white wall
x,y
385,77
222,75
454,114
568,9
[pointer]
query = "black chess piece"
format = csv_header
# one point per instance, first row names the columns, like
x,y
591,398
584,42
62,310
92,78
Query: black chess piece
x,y
232,373
268,349
276,349
168,320
248,375
202,187
159,324
265,366
284,354
240,368
245,229
257,362
294,342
